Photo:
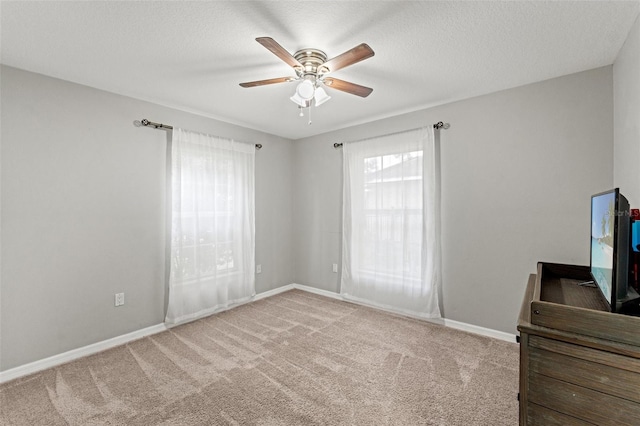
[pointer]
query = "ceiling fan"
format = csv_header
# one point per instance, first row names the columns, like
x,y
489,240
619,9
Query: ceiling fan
x,y
311,67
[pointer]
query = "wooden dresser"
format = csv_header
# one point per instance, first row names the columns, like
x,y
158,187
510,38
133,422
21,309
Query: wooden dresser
x,y
579,363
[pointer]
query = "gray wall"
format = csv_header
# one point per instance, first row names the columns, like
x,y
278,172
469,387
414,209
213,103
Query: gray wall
x,y
83,213
83,200
518,169
626,117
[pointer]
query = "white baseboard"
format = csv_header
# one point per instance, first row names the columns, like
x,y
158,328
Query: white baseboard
x,y
319,291
52,361
55,360
489,332
446,322
273,292
34,367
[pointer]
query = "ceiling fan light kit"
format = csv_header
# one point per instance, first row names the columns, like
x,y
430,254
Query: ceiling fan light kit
x,y
321,96
311,66
306,90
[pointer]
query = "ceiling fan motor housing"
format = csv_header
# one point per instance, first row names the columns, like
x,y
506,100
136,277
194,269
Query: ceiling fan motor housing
x,y
311,60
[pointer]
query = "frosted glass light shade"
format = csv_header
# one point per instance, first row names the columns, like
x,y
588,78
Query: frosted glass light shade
x,y
321,96
305,90
298,100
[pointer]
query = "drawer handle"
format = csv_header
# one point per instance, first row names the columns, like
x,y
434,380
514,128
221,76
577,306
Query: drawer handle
x,y
537,312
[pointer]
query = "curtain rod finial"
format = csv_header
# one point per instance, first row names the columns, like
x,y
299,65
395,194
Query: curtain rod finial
x,y
441,125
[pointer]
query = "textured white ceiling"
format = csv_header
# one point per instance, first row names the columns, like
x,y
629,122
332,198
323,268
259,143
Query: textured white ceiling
x,y
192,55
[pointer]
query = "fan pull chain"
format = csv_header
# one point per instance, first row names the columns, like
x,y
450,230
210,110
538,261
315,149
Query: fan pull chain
x,y
309,123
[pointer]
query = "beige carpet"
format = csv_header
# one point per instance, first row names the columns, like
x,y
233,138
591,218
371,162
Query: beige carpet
x,y
292,359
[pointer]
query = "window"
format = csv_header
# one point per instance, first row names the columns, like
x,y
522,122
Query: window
x,y
392,216
212,225
205,234
390,250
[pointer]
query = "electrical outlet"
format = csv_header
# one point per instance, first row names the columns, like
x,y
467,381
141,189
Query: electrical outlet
x,y
119,299
258,269
335,267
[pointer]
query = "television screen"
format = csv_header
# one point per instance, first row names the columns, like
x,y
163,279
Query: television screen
x,y
602,241
635,236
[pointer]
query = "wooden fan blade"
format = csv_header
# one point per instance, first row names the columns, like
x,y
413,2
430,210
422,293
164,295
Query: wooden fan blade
x,y
279,51
345,86
350,57
269,81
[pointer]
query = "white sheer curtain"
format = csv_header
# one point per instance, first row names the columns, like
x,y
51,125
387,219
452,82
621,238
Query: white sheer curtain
x,y
213,226
391,235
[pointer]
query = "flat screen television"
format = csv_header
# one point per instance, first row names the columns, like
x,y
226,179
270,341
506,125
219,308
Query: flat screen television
x,y
611,247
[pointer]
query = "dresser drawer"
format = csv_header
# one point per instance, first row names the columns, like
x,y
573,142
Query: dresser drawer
x,y
541,416
629,362
591,375
582,403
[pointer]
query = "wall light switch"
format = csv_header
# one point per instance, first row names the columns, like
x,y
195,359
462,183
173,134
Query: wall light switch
x,y
335,267
258,269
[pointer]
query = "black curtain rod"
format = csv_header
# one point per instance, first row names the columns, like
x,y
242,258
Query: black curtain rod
x,y
148,123
439,125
